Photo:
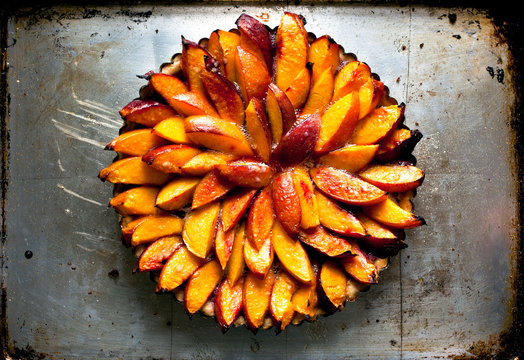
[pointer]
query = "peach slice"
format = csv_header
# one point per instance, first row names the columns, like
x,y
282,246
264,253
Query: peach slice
x,y
292,255
320,94
225,96
255,37
192,103
193,63
167,86
351,78
217,134
338,123
224,244
136,201
252,75
359,266
332,285
298,91
308,202
259,261
132,170
206,161
324,242
280,111
291,49
286,203
235,206
222,46
228,303
146,112
351,158
260,219
157,253
136,142
172,129
323,54
280,306
170,158
180,266
370,95
247,173
305,299
345,187
399,142
199,229
235,265
256,298
381,241
177,193
338,219
213,186
298,142
258,128
129,226
390,214
397,177
201,285
153,227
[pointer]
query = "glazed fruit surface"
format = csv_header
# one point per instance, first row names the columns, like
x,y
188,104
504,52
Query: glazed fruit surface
x,y
264,176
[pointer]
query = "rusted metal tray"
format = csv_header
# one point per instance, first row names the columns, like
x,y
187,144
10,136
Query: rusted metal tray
x,y
67,288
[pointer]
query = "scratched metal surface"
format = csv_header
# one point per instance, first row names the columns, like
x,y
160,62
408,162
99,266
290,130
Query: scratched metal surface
x,y
70,72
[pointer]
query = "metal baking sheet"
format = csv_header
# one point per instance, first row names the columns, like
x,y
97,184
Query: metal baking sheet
x,y
451,293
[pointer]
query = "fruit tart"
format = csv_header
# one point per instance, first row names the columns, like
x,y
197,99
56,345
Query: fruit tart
x,y
264,176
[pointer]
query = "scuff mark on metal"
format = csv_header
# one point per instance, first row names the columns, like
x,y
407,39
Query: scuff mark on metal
x,y
71,192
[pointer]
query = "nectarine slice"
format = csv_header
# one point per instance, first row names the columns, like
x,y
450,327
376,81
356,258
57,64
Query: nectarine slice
x,y
260,219
370,95
172,129
192,103
338,123
199,229
345,187
132,170
212,187
136,142
258,128
236,264
324,242
167,86
280,111
222,46
180,266
157,253
206,161
201,285
235,206
146,112
252,74
305,299
337,219
395,177
319,95
228,303
291,49
359,266
155,226
291,254
377,125
170,158
177,193
256,297
193,63
217,134
247,173
298,91
308,202
255,37
390,214
323,54
258,261
224,244
351,158
286,202
280,305
332,285
351,78
400,141
136,201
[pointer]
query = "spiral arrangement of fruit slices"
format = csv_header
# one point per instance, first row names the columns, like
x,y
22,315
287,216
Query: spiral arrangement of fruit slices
x,y
265,178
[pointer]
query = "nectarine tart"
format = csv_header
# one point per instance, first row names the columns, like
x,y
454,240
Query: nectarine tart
x,y
264,176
